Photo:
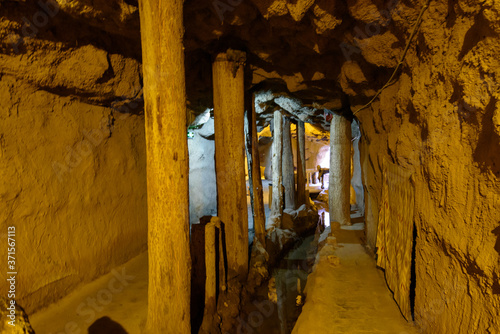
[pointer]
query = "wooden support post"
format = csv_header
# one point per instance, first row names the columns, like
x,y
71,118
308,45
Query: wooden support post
x,y
277,204
211,268
301,164
210,264
229,112
287,166
222,259
167,166
281,292
340,170
254,177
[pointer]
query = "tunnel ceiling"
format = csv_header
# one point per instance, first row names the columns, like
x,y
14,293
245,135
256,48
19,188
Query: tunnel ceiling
x,y
307,57
314,56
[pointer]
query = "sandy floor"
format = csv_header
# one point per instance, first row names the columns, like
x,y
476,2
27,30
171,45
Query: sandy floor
x,y
120,295
350,297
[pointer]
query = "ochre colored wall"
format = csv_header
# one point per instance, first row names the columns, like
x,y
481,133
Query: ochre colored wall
x,y
440,120
78,204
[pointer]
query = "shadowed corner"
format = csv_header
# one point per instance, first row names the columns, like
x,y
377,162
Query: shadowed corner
x,y
105,325
497,244
496,278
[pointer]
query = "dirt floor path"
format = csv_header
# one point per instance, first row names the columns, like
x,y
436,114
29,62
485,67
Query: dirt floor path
x,y
114,303
346,293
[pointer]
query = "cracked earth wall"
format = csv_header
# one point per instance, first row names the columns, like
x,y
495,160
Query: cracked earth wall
x,y
440,120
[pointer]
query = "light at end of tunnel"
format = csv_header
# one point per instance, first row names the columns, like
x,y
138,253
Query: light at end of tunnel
x,y
323,158
325,215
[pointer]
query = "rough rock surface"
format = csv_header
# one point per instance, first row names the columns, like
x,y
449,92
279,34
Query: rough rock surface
x,y
438,121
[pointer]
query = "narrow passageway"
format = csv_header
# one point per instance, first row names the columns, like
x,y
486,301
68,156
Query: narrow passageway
x,y
346,293
337,279
192,166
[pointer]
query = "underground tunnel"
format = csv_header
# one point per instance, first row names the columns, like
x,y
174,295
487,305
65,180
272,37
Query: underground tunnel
x,y
250,166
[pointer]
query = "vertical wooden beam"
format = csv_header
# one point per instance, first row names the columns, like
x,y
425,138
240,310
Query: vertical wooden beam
x,y
277,203
281,294
287,167
301,164
167,166
340,170
254,177
229,114
212,267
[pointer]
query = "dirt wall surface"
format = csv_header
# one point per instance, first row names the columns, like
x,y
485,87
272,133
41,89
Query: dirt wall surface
x,y
63,166
72,168
439,122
